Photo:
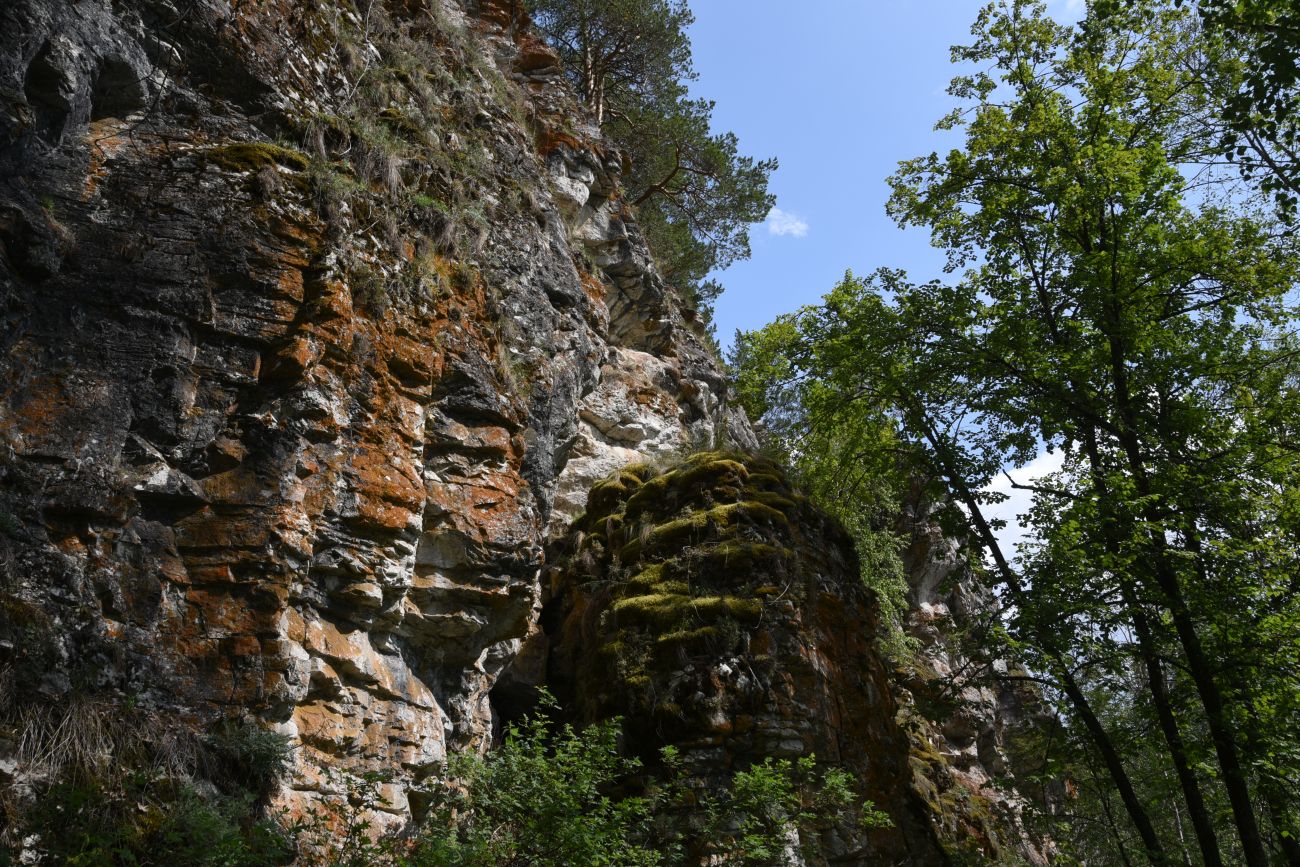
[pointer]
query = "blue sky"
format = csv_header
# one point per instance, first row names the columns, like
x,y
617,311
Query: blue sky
x,y
839,91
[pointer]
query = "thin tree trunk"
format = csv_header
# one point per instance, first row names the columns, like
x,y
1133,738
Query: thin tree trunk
x,y
1202,824
1115,767
1166,578
1110,821
1096,730
1225,748
1276,804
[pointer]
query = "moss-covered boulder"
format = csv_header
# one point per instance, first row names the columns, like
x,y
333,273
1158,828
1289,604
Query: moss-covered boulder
x,y
716,609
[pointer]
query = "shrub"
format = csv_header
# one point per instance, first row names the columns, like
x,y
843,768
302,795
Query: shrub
x,y
111,789
552,794
249,757
146,821
544,797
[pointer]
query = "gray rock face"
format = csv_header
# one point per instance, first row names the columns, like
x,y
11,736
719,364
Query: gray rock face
x,y
290,397
966,719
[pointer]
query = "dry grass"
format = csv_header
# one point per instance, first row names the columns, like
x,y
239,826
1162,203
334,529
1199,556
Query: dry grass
x,y
90,738
74,741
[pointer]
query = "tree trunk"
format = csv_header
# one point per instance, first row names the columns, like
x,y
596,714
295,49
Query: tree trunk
x,y
1096,730
1115,767
1166,579
1202,824
1276,802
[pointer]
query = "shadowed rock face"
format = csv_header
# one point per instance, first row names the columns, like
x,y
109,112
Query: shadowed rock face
x,y
720,612
975,739
287,399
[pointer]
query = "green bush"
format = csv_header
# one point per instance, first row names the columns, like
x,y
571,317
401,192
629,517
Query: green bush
x,y
250,757
146,821
548,795
116,794
551,794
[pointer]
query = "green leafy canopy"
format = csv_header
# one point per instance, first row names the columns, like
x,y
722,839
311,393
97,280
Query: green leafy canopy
x,y
1116,303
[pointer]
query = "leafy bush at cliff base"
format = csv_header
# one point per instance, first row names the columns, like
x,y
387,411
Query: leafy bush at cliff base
x,y
554,795
114,784
547,797
146,821
540,799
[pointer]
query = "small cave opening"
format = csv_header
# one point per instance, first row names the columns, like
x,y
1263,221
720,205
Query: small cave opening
x,y
46,89
512,699
119,91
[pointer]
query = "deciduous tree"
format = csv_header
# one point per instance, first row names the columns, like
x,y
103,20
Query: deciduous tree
x,y
1112,308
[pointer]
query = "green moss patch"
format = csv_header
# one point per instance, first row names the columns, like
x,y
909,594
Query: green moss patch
x,y
669,610
737,558
253,156
720,520
690,557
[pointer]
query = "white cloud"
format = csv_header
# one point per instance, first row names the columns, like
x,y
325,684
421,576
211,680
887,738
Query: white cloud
x,y
781,223
1019,502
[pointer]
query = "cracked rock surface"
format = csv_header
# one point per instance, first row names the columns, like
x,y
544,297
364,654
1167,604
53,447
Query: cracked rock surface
x,y
238,486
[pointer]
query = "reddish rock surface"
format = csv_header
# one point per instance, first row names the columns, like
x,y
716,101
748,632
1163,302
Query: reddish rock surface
x,y
285,407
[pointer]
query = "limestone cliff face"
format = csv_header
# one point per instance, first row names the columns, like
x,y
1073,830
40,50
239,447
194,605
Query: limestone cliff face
x,y
313,321
318,323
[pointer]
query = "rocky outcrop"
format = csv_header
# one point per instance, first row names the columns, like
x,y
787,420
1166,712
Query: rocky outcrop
x,y
314,320
723,615
977,732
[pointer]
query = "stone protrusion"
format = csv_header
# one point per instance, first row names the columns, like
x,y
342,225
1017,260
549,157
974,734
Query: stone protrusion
x,y
717,610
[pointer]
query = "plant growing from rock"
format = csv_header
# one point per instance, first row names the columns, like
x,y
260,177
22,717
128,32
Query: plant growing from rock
x,y
695,194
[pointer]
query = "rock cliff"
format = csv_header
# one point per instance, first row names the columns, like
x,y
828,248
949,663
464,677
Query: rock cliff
x,y
976,732
724,616
318,322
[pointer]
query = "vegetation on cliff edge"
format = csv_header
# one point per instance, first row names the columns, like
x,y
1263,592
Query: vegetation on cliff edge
x,y
696,195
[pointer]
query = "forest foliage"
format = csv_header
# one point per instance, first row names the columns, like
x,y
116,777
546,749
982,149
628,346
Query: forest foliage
x,y
696,195
548,794
1119,231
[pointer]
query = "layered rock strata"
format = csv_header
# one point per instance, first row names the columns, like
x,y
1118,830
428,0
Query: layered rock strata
x,y
318,321
314,318
723,615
